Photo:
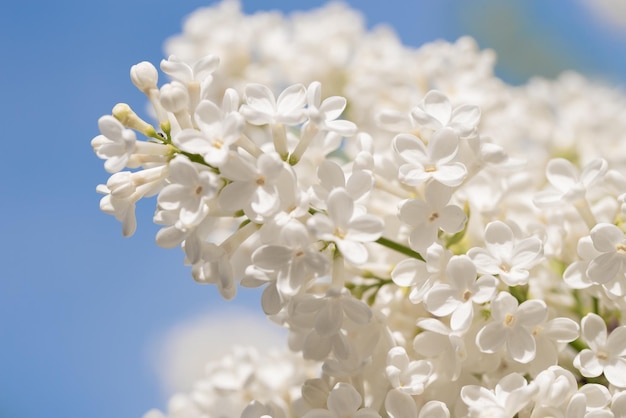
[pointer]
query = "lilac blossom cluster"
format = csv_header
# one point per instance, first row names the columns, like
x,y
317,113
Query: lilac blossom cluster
x,y
436,242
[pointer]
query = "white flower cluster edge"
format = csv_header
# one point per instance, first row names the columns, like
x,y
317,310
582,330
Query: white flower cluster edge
x,y
437,243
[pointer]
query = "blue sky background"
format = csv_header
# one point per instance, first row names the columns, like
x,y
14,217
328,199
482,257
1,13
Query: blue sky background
x,y
81,308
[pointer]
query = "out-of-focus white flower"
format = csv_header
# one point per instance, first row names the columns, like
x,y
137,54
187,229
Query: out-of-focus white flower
x,y
570,186
263,108
407,376
435,112
343,401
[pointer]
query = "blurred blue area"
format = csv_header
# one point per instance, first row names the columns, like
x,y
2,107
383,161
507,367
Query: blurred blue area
x,y
81,307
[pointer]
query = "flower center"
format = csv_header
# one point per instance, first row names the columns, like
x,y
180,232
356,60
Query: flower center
x,y
339,233
260,181
621,248
467,295
433,217
509,320
430,169
198,190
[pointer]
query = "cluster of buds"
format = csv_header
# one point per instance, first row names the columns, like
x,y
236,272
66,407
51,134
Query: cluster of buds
x,y
424,268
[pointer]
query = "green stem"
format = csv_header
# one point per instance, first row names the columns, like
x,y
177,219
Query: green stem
x,y
402,249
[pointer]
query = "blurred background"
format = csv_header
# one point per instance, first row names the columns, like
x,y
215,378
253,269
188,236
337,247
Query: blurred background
x,y
87,318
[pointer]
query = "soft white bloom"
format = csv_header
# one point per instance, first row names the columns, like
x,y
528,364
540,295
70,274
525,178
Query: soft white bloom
x,y
214,267
506,255
570,186
420,275
509,396
115,145
191,189
343,402
295,262
610,265
444,347
428,216
263,108
256,187
346,227
190,75
432,161
606,354
435,112
550,337
590,401
216,136
332,176
407,376
512,325
324,114
458,297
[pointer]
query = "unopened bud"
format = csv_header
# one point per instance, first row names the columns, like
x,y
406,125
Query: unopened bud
x,y
129,119
174,97
144,75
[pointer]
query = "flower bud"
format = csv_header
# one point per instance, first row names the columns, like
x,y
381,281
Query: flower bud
x,y
129,119
144,75
174,97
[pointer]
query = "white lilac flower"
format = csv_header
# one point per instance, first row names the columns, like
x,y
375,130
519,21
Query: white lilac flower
x,y
346,227
506,255
610,265
512,326
191,189
115,145
444,347
262,107
407,376
432,161
428,216
590,401
549,339
322,319
295,262
332,176
256,187
217,133
458,297
256,409
420,276
556,386
343,402
435,112
215,267
195,78
569,184
271,299
399,404
511,394
606,353
324,114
